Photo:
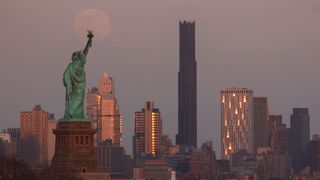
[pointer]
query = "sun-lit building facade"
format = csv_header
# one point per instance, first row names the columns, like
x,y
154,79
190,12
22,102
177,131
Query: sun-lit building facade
x,y
103,110
109,124
147,131
236,121
34,136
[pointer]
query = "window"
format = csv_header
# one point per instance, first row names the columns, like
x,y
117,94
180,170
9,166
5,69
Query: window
x,y
81,139
87,140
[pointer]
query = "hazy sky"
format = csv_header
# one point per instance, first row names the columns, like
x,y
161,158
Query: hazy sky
x,y
270,46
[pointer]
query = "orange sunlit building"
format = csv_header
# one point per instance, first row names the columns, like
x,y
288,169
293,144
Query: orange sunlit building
x,y
147,131
102,110
34,136
236,121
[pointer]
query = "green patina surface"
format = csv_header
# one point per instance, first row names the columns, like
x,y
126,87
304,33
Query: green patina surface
x,y
74,79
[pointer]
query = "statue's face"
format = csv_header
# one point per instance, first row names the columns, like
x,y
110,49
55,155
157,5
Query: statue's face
x,y
76,56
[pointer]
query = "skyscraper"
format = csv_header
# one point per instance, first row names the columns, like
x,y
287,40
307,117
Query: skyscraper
x,y
34,135
260,122
314,153
236,121
106,86
109,117
92,105
93,102
279,133
111,158
299,137
187,87
147,131
102,107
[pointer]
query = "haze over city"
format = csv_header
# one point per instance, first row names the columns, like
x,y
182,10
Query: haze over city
x,y
269,46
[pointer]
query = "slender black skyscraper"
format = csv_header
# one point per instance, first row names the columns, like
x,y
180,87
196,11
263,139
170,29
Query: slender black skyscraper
x,y
187,88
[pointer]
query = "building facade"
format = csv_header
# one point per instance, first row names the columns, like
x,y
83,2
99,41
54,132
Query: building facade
x,y
279,134
111,158
275,164
103,110
147,131
109,118
92,105
7,146
157,169
236,121
15,138
299,138
314,153
52,124
34,136
187,87
93,102
201,165
260,122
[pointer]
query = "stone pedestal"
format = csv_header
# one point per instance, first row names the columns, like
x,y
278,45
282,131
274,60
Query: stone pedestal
x,y
74,151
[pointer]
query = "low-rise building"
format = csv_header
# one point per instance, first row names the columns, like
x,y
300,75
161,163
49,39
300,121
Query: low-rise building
x,y
7,147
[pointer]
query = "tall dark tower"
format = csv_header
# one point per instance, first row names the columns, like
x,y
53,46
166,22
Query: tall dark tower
x,y
187,88
299,138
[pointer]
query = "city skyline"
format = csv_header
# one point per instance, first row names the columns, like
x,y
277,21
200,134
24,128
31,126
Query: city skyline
x,y
286,74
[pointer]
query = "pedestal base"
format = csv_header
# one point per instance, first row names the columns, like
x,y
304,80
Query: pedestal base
x,y
74,151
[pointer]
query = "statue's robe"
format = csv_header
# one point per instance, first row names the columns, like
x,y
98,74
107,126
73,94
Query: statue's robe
x,y
74,79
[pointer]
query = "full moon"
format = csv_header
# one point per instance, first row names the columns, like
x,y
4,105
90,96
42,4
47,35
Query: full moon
x,y
92,20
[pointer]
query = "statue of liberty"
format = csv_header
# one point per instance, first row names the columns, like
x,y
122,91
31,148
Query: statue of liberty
x,y
74,79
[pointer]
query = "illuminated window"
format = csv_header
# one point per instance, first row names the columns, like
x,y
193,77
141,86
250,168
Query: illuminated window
x,y
228,134
223,99
238,122
230,148
153,134
233,94
244,99
225,122
240,104
229,104
236,112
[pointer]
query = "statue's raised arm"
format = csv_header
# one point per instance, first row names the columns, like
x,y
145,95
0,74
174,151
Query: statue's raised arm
x,y
89,43
74,79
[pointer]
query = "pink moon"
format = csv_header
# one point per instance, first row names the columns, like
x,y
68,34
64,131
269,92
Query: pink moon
x,y
92,20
